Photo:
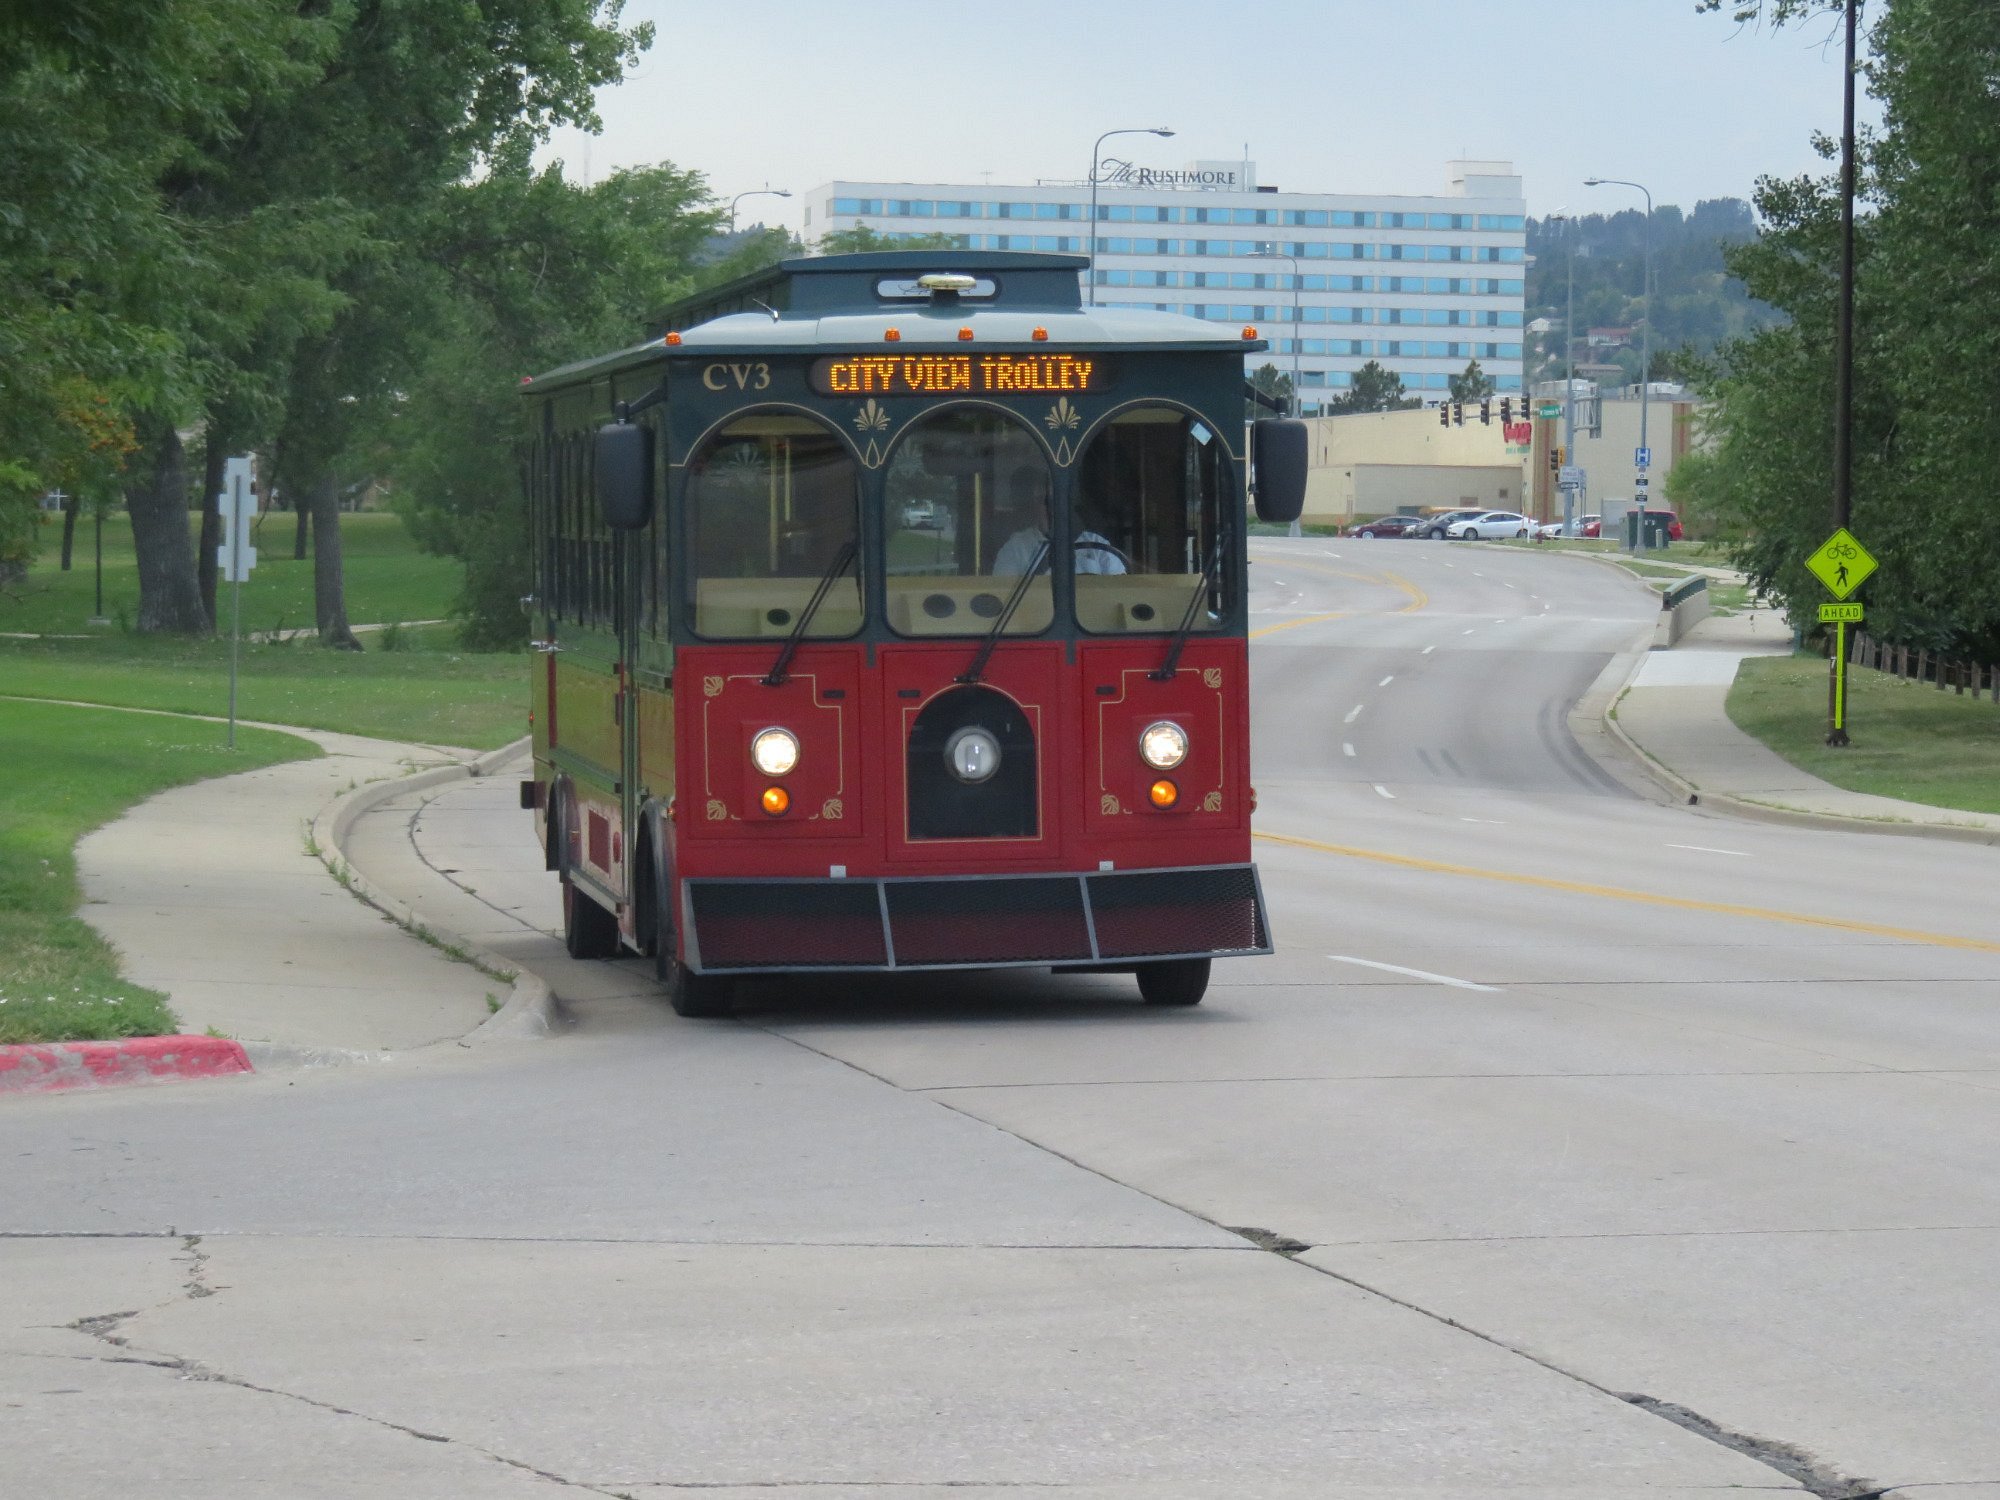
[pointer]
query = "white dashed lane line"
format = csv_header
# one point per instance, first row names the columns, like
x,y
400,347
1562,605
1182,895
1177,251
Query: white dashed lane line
x,y
1354,713
1383,791
1428,650
1705,849
1346,748
1386,680
1457,984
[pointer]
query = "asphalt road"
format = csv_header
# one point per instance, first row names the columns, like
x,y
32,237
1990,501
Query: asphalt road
x,y
1572,1143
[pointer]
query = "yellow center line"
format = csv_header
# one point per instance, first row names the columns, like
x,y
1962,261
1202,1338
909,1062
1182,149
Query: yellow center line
x,y
1643,898
1417,597
1263,630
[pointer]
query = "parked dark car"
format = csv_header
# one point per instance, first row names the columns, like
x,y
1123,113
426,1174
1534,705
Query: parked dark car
x,y
1384,526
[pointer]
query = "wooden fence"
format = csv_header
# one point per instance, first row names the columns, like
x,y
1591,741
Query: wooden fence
x,y
1924,666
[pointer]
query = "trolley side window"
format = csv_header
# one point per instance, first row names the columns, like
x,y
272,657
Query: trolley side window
x,y
773,507
1150,488
966,499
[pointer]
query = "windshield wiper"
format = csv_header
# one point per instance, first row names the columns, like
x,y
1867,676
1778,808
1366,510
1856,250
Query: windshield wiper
x,y
972,673
1209,575
776,676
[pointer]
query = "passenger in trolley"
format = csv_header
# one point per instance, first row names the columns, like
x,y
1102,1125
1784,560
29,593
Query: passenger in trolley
x,y
1026,505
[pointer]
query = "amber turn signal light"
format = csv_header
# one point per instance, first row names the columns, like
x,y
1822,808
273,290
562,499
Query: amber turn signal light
x,y
1164,793
776,799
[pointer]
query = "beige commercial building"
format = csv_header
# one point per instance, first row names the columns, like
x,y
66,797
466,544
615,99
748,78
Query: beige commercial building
x,y
1373,463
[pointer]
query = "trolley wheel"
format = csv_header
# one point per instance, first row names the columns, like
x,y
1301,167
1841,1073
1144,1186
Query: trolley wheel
x,y
699,997
589,931
1173,981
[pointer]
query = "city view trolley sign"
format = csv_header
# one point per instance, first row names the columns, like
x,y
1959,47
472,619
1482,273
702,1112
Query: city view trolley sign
x,y
944,374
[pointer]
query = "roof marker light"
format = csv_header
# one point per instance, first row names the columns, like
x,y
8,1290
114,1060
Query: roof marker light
x,y
965,335
892,335
1249,332
1040,335
671,339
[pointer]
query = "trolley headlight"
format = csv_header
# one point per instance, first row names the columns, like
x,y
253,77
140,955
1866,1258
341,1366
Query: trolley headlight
x,y
1163,745
774,751
973,754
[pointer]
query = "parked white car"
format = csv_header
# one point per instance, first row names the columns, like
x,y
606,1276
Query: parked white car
x,y
1489,524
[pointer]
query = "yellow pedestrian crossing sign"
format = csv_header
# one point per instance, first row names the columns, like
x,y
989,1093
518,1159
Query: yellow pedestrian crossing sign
x,y
1841,563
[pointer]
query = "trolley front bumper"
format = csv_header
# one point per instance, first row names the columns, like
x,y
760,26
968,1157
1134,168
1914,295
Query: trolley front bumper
x,y
1110,918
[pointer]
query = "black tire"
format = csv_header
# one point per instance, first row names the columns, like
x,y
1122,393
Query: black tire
x,y
1436,533
1173,981
589,931
1365,536
700,997
1470,534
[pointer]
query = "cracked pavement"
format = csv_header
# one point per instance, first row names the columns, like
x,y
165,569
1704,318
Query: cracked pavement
x,y
1647,1203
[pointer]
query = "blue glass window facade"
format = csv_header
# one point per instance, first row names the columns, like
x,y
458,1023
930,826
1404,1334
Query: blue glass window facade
x,y
1441,282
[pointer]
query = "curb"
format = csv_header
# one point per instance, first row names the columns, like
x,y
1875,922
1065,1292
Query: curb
x,y
1688,794
58,1067
530,1008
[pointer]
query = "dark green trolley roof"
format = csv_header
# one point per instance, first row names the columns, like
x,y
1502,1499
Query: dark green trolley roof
x,y
836,302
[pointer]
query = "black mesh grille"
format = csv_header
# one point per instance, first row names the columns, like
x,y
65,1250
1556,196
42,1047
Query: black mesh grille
x,y
1006,920
756,924
1145,913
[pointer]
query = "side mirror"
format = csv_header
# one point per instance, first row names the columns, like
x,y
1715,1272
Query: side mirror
x,y
1278,453
622,469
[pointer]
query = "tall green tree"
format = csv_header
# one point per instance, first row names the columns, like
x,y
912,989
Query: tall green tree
x,y
1927,318
1374,388
1472,384
862,240
537,271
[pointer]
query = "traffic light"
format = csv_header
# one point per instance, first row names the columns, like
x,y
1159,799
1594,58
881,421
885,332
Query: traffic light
x,y
1444,414
1458,413
1486,414
1506,411
1556,457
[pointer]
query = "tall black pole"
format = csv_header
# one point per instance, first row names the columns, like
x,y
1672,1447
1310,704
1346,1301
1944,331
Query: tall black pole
x,y
1843,373
1843,390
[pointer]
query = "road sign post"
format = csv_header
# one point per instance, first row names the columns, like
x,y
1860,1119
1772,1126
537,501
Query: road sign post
x,y
1841,564
235,558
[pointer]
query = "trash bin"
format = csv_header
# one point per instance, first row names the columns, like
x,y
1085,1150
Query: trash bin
x,y
1656,530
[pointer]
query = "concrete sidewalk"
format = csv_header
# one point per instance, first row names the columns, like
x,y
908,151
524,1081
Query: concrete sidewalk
x,y
210,893
1673,716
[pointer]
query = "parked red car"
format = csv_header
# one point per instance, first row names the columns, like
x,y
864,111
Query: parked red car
x,y
1383,526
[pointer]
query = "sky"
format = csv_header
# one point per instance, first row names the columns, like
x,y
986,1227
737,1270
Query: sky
x,y
1357,96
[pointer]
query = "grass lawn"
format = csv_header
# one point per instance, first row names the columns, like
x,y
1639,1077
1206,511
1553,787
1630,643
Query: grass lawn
x,y
387,578
72,769
1910,740
438,697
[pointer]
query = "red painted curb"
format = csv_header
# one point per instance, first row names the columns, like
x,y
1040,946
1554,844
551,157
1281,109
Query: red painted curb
x,y
52,1067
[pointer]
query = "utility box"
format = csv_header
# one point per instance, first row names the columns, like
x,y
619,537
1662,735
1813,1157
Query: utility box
x,y
1655,523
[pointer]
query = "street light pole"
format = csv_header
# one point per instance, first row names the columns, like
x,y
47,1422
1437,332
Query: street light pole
x,y
1298,401
1645,341
1568,222
765,191
1090,230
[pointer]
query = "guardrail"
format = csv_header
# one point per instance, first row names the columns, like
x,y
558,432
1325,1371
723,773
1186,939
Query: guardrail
x,y
1682,606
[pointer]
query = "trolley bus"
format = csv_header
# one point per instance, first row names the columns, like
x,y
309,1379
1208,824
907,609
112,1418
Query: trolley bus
x,y
889,612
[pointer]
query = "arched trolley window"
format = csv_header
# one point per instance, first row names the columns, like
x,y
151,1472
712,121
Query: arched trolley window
x,y
773,507
1151,487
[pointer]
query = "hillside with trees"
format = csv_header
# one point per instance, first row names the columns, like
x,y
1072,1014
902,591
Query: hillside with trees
x,y
1697,303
